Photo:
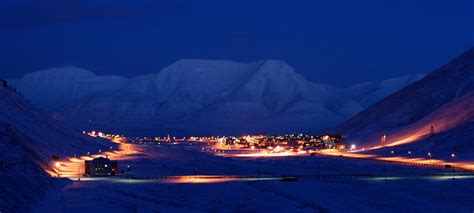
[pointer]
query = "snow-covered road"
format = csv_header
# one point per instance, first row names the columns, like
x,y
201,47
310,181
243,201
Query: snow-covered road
x,y
396,194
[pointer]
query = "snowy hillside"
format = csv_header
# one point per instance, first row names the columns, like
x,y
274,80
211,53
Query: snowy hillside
x,y
368,93
443,99
39,134
201,97
27,141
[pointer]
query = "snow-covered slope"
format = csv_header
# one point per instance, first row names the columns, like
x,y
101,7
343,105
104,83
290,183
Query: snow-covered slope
x,y
40,134
200,97
368,93
27,141
443,99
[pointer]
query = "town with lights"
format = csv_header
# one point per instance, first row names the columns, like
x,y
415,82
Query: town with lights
x,y
270,146
236,106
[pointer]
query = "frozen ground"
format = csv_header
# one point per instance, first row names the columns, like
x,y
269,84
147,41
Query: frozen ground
x,y
401,192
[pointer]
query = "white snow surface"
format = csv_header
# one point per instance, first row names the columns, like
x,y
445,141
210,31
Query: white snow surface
x,y
194,96
28,139
443,99
39,133
397,194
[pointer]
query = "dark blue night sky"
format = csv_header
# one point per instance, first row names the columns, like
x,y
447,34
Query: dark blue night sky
x,y
338,42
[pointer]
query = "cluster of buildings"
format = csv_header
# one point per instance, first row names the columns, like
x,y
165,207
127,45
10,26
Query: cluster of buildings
x,y
296,141
113,137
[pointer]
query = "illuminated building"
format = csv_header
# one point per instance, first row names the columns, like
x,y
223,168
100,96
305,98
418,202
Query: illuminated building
x,y
100,167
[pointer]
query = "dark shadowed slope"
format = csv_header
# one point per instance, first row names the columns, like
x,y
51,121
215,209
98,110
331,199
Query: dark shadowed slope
x,y
27,141
38,133
453,132
418,99
443,99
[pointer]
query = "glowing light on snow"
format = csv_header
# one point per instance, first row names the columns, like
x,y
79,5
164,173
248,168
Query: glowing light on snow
x,y
353,147
402,160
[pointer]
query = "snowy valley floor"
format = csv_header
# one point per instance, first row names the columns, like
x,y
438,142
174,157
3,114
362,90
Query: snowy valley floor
x,y
406,189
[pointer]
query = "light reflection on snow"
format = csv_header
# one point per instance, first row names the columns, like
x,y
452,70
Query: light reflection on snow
x,y
73,167
264,154
192,179
402,160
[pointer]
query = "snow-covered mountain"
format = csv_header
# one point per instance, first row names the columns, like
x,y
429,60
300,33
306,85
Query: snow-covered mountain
x,y
201,97
368,93
443,99
61,86
28,139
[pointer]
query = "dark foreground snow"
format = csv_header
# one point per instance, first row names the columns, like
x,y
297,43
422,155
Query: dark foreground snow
x,y
402,193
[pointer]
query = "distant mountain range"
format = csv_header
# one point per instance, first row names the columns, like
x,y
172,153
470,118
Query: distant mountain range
x,y
201,97
444,100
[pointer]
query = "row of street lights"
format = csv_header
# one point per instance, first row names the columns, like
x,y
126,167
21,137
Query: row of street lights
x,y
57,162
453,156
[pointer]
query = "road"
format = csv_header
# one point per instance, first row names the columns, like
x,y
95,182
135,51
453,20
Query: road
x,y
74,167
469,166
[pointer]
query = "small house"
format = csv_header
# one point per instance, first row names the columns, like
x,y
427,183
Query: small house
x,y
101,167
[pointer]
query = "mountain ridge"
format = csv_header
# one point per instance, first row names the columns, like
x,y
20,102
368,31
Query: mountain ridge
x,y
436,94
431,115
269,92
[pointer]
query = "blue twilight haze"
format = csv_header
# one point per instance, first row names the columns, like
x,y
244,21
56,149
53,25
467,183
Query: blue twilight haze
x,y
337,42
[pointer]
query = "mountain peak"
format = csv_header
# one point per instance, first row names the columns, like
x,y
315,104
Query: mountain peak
x,y
225,93
62,72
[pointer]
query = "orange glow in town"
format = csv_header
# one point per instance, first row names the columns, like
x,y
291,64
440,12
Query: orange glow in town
x,y
73,167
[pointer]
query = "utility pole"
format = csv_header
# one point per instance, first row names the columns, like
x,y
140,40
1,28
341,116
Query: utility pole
x,y
453,156
383,139
129,169
453,171
258,170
